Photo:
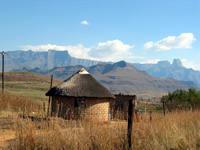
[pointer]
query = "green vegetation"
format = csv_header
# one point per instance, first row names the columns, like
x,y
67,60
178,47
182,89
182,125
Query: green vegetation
x,y
27,84
181,99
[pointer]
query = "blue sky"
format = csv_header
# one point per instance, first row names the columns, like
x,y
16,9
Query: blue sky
x,y
144,31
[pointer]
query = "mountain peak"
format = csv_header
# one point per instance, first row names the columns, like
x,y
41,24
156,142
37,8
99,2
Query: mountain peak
x,y
177,62
58,51
120,64
164,63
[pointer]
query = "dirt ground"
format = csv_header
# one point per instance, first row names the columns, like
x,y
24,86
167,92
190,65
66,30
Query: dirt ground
x,y
5,136
7,132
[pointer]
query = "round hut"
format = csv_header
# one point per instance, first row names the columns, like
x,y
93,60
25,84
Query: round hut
x,y
81,96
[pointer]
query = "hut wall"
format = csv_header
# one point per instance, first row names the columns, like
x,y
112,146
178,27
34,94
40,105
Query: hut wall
x,y
94,109
97,109
119,106
62,106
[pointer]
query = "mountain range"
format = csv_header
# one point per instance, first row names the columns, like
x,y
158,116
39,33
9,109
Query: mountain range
x,y
44,60
16,60
163,69
120,77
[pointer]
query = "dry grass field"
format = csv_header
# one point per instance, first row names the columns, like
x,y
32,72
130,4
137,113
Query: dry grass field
x,y
27,84
178,130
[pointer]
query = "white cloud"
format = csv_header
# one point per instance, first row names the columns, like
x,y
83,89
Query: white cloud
x,y
84,22
105,51
190,64
183,41
78,51
111,51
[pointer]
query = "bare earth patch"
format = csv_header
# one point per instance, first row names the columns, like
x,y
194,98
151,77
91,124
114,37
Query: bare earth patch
x,y
5,136
7,132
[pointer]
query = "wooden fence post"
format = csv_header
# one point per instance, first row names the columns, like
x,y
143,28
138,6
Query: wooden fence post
x,y
38,109
145,108
131,112
164,108
49,98
24,111
44,108
150,115
2,53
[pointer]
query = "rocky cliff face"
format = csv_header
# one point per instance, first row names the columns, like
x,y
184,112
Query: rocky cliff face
x,y
163,69
177,63
43,60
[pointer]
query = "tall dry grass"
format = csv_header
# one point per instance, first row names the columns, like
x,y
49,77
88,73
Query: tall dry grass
x,y
15,103
77,135
12,106
178,130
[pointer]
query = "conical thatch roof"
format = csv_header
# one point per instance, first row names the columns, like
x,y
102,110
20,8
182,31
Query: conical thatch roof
x,y
81,84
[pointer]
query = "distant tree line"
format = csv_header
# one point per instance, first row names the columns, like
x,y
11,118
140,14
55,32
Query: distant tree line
x,y
181,99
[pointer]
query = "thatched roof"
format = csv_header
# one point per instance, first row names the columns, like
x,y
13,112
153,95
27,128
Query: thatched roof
x,y
81,84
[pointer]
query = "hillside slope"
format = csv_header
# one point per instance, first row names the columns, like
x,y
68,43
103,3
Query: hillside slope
x,y
122,77
31,85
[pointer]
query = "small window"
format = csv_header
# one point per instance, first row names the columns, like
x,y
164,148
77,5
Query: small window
x,y
82,104
79,102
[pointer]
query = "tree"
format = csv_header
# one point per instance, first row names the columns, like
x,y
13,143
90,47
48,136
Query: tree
x,y
181,99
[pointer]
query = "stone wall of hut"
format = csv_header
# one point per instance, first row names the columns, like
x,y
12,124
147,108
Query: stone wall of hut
x,y
92,109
